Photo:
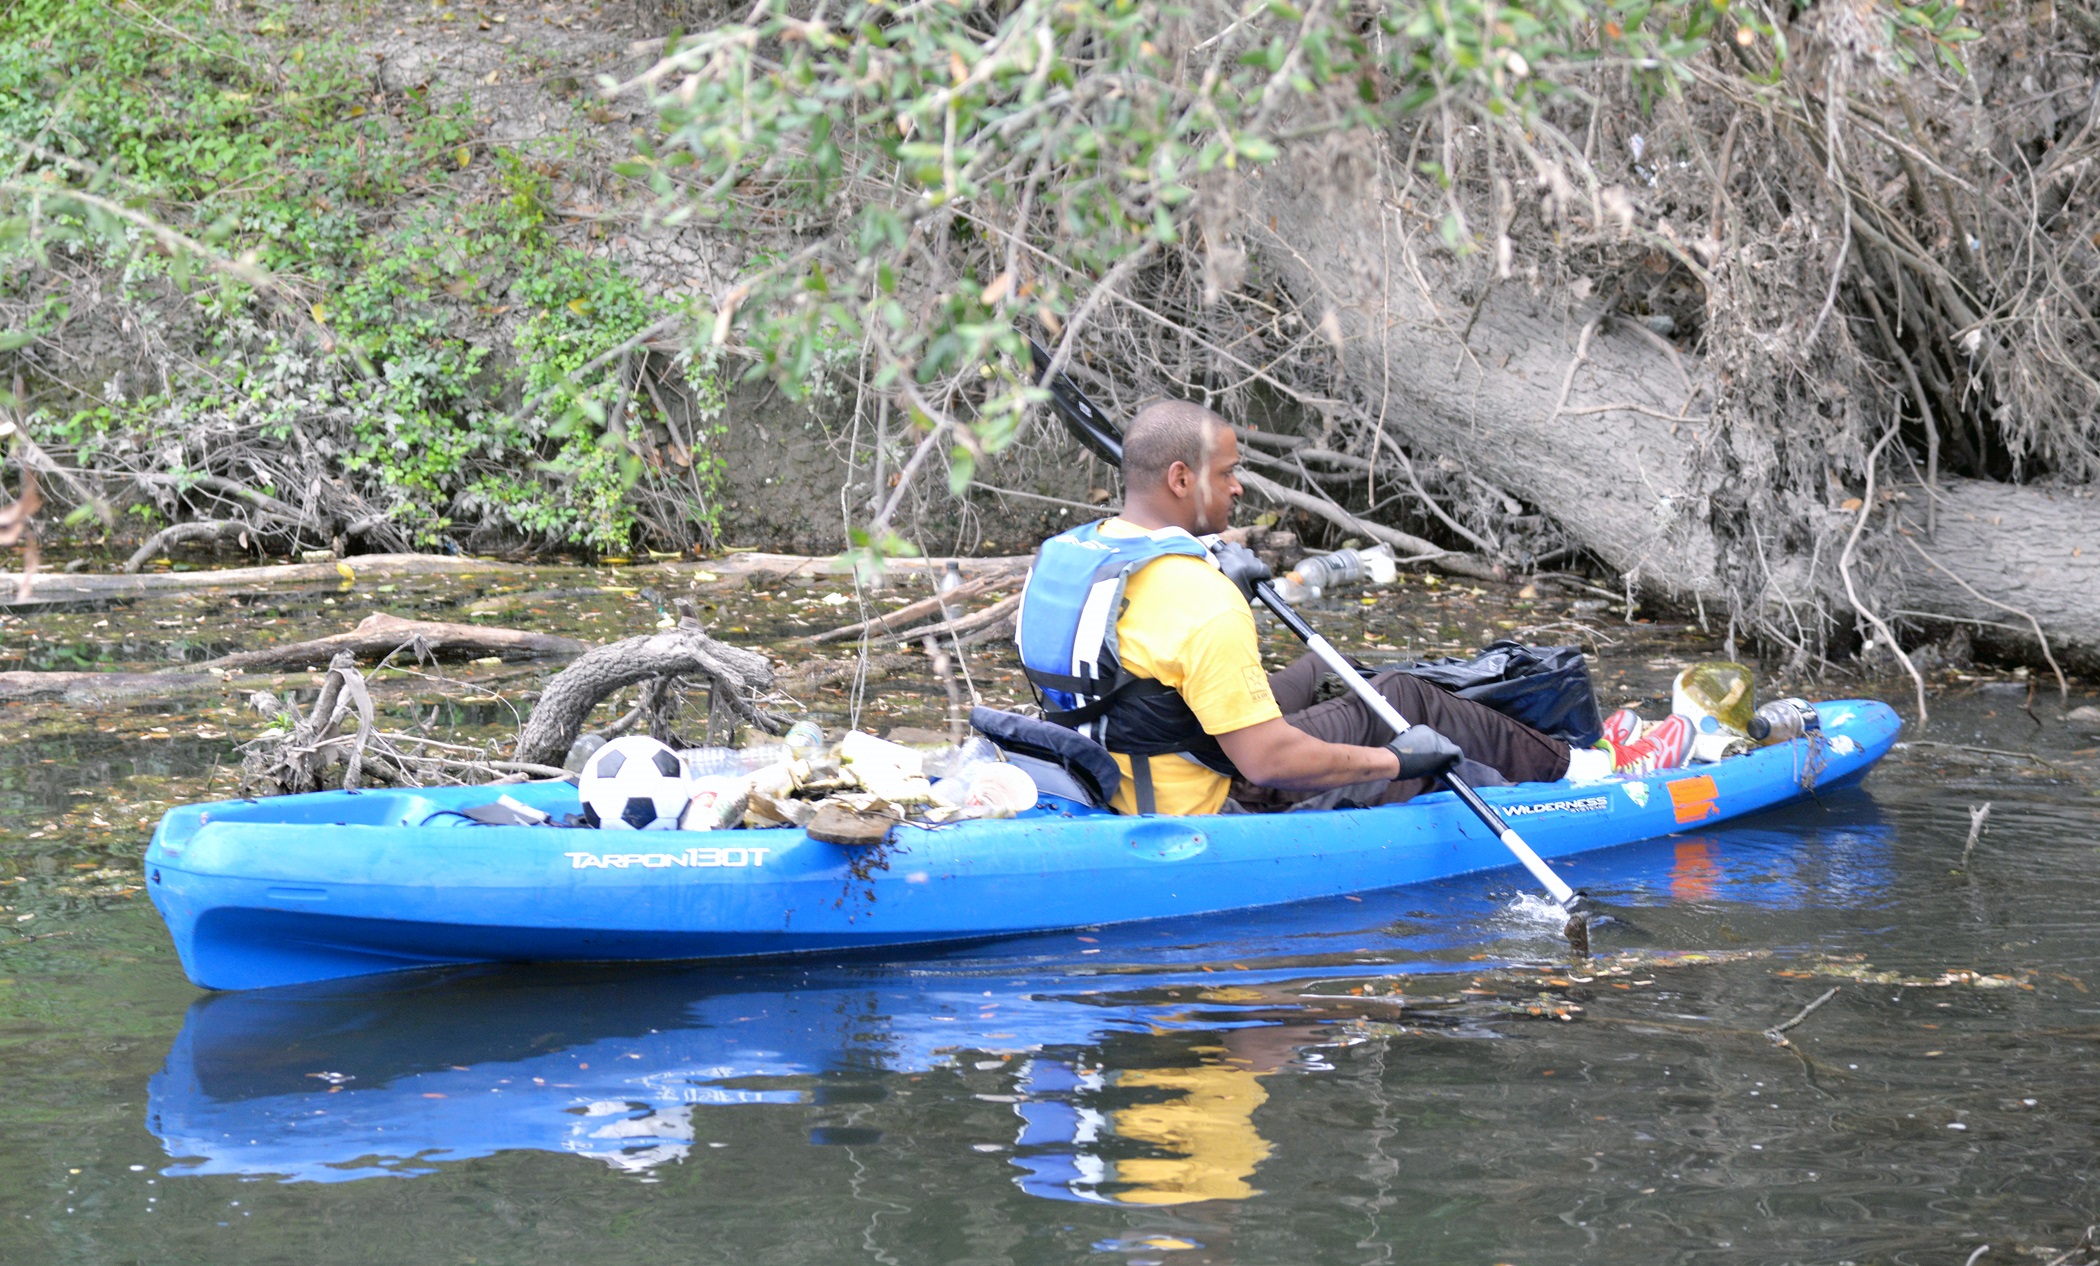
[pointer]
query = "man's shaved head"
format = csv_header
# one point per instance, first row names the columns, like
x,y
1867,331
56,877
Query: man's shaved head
x,y
1165,432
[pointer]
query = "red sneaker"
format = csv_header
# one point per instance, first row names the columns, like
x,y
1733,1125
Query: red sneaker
x,y
1622,727
1667,746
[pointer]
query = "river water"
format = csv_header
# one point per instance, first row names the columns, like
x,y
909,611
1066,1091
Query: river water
x,y
1417,1076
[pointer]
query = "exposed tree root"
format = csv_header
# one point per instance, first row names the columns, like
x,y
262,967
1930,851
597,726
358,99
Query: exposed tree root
x,y
186,533
739,680
305,755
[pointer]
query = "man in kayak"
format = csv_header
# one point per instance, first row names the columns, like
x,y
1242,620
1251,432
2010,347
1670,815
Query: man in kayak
x,y
1143,639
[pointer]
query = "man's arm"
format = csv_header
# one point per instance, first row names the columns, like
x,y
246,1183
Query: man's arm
x,y
1277,754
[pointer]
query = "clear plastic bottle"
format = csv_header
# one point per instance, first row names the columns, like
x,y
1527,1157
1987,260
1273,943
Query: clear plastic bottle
x,y
709,762
1342,567
804,739
959,761
761,755
580,751
1784,719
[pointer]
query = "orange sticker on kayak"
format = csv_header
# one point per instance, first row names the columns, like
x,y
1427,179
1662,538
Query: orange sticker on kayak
x,y
1693,798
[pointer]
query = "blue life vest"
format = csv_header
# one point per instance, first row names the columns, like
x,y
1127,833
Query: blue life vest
x,y
1067,637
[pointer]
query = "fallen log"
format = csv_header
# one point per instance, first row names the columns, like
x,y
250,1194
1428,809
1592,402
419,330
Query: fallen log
x,y
381,634
55,587
911,613
755,563
1001,612
1588,416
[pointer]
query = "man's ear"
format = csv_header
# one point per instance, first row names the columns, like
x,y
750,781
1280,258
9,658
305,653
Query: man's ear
x,y
1180,479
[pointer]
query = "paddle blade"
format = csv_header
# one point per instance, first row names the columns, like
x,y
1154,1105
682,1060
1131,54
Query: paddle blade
x,y
1087,424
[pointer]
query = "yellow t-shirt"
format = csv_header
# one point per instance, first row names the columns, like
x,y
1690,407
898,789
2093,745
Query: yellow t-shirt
x,y
1183,624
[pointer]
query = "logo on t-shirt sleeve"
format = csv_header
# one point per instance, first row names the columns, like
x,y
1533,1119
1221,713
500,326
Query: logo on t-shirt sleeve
x,y
1257,683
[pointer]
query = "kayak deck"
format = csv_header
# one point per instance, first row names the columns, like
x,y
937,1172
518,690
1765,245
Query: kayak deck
x,y
315,887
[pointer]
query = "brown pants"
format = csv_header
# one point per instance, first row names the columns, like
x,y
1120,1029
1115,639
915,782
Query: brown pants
x,y
1510,748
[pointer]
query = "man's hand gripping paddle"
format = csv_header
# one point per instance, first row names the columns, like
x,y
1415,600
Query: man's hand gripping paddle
x,y
1092,428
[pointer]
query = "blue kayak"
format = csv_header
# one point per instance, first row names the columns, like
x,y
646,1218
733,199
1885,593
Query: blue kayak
x,y
317,887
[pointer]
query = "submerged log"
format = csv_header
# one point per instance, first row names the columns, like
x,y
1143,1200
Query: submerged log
x,y
69,687
381,634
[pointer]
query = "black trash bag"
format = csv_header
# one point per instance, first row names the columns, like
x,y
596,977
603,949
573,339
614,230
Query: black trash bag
x,y
1546,687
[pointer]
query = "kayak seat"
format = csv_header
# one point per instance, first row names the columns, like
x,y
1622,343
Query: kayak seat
x,y
1062,761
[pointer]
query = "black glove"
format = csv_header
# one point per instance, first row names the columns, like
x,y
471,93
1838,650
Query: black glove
x,y
1242,566
1424,753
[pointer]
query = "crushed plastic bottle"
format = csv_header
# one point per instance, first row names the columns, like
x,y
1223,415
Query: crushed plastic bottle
x,y
710,762
717,803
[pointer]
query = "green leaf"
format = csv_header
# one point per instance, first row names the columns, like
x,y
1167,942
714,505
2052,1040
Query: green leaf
x,y
1255,148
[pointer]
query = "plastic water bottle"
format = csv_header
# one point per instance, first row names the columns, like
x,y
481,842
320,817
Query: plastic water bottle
x,y
712,762
1342,567
580,751
708,762
961,760
950,581
804,739
1784,719
760,755
953,769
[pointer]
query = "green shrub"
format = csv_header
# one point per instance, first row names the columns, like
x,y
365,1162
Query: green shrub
x,y
438,300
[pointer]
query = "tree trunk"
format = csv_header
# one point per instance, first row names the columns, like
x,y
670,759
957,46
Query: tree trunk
x,y
1602,425
2036,551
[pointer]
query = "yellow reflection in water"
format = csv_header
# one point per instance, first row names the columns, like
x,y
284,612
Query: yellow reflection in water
x,y
1208,1125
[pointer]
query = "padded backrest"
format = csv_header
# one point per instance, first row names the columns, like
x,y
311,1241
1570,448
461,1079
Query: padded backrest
x,y
1086,763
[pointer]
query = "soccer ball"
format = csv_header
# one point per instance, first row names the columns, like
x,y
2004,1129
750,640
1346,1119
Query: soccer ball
x,y
634,784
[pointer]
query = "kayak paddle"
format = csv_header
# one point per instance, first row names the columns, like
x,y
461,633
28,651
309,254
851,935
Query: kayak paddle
x,y
1092,428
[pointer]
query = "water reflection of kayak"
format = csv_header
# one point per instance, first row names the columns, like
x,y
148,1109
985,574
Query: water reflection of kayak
x,y
308,888
1131,1063
327,1084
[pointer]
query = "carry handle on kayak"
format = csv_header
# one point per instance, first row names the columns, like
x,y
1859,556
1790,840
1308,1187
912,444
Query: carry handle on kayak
x,y
1093,429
